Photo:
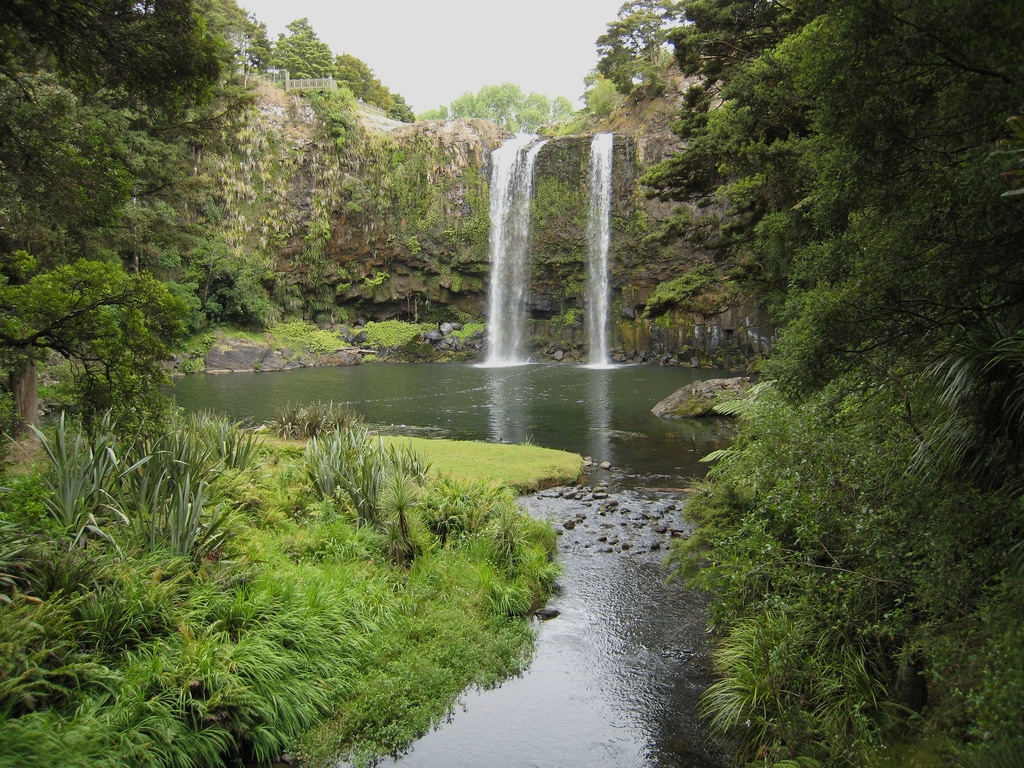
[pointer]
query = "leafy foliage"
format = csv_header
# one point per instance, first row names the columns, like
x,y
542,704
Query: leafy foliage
x,y
848,160
390,334
115,327
632,49
136,655
100,105
302,52
509,107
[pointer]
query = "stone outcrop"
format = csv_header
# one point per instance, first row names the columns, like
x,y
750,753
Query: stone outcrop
x,y
596,521
235,355
700,398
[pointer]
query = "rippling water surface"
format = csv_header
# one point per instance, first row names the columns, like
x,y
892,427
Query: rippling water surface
x,y
614,682
604,413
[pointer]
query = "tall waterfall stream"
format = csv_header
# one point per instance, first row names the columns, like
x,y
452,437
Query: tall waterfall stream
x,y
598,242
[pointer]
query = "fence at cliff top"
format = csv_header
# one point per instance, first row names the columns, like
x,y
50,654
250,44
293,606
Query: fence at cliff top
x,y
283,79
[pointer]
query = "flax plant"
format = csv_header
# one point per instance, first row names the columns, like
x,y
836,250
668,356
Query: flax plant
x,y
229,444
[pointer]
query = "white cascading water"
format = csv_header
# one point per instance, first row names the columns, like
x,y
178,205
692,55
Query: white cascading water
x,y
511,190
598,241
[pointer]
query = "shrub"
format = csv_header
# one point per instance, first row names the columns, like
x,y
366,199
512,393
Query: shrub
x,y
295,421
391,334
308,337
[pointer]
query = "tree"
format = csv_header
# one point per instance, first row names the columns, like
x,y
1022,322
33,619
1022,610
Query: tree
x,y
509,107
602,96
846,156
115,327
361,81
155,50
400,110
439,113
632,51
302,53
97,104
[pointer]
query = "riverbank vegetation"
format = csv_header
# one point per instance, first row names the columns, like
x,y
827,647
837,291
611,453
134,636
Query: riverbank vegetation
x,y
175,594
209,595
859,164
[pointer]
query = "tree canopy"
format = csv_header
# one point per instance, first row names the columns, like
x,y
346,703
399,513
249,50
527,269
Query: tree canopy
x,y
852,163
633,49
304,55
509,107
97,104
302,52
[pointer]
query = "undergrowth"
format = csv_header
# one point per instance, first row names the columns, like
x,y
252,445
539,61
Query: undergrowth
x,y
151,623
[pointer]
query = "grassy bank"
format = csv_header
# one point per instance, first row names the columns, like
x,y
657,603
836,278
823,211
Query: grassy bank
x,y
210,596
525,468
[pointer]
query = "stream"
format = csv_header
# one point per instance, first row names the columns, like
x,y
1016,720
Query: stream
x,y
617,674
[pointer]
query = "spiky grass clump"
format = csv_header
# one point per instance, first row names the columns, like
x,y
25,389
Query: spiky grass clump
x,y
297,421
351,464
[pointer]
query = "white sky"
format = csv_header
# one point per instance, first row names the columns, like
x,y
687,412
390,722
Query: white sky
x,y
432,52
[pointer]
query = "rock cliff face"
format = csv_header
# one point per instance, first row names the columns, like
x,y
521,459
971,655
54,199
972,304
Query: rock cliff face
x,y
380,221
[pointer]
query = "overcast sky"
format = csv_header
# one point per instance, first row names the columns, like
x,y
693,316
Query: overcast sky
x,y
433,51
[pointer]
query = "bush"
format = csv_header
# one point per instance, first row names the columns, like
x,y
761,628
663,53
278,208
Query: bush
x,y
308,337
297,422
392,334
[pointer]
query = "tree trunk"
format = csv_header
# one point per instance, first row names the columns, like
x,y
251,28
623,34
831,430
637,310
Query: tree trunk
x,y
26,396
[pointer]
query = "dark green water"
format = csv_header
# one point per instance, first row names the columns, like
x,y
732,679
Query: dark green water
x,y
603,413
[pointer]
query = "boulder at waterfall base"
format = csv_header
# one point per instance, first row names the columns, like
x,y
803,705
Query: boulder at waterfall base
x,y
701,397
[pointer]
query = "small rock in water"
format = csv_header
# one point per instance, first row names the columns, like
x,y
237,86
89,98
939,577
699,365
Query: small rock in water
x,y
569,524
605,465
546,613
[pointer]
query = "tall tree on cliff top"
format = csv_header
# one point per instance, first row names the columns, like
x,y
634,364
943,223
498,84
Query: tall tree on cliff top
x,y
88,94
302,53
365,85
633,50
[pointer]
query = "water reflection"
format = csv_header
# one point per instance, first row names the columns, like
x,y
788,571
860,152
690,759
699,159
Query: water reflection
x,y
599,407
604,412
506,404
614,682
617,675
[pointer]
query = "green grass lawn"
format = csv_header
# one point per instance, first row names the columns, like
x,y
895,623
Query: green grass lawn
x,y
523,467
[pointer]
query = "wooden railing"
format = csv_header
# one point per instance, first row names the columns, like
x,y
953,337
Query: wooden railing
x,y
312,84
371,109
282,78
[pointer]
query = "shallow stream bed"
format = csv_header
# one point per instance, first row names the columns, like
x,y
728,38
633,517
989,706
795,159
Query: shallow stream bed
x,y
617,673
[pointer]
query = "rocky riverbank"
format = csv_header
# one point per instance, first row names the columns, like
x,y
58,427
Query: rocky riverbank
x,y
598,521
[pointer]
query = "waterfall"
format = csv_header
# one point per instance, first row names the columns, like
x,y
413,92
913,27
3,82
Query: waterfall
x,y
511,190
598,239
